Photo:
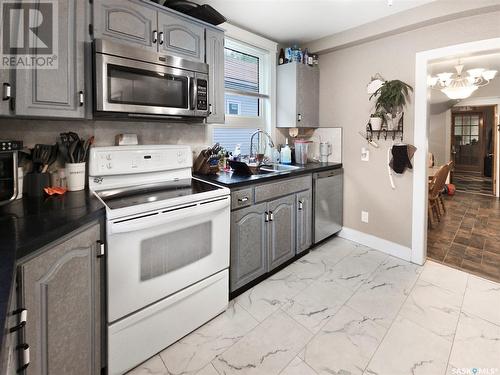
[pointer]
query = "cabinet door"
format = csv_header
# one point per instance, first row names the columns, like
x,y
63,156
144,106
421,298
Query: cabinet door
x,y
125,21
304,223
60,288
57,92
181,37
307,96
281,230
248,245
215,61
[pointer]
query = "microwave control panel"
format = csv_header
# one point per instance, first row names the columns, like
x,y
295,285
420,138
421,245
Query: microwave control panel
x,y
202,95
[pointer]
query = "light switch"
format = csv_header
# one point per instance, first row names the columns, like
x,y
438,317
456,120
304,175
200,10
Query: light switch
x,y
365,154
364,216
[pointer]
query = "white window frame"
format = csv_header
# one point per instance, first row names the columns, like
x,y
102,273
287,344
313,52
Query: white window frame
x,y
263,95
267,49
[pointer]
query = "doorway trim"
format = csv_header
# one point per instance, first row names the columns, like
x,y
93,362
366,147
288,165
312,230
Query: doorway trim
x,y
421,132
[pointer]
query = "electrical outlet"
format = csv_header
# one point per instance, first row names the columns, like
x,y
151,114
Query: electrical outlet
x,y
364,216
365,154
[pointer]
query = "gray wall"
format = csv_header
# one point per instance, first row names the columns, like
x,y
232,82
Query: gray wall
x,y
344,102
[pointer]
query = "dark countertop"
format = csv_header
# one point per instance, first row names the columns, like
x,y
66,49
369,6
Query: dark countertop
x,y
28,224
232,180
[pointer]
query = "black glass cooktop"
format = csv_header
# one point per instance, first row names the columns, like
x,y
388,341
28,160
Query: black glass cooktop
x,y
120,198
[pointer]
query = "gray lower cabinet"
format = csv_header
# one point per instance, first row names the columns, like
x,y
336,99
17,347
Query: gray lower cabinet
x,y
304,220
181,37
281,230
248,245
215,61
60,92
125,21
60,288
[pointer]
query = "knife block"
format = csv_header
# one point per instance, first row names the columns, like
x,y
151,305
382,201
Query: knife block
x,y
35,183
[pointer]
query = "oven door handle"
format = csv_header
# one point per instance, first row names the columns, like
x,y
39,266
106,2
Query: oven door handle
x,y
193,92
148,221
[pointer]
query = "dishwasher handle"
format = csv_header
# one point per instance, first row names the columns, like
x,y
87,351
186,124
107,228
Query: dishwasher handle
x,y
329,173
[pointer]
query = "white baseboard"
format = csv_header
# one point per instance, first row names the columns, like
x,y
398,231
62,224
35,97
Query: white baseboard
x,y
376,243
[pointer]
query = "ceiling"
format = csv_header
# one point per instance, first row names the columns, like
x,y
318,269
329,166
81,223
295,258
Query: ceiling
x,y
301,21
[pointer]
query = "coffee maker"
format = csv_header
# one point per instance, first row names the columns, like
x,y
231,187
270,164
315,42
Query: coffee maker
x,y
325,150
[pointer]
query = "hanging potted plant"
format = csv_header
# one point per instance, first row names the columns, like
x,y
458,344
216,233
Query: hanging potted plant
x,y
392,96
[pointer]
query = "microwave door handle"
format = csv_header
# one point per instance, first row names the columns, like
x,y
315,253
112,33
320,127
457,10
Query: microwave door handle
x,y
193,91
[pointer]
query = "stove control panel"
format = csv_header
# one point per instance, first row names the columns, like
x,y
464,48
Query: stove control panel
x,y
123,160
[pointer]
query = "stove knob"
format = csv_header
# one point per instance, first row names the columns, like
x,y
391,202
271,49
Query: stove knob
x,y
109,166
108,157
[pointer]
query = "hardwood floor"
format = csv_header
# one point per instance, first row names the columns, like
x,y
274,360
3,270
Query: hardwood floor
x,y
468,236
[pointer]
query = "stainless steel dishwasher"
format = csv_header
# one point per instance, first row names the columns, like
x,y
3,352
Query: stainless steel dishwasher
x,y
328,193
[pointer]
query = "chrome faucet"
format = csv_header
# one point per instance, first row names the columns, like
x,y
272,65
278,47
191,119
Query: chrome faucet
x,y
269,138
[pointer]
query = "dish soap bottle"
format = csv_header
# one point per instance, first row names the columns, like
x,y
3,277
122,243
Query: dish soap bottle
x,y
286,154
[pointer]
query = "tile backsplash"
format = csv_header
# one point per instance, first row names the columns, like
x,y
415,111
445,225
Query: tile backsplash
x,y
32,131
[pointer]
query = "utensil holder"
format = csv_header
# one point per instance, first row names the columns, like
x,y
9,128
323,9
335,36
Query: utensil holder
x,y
35,183
75,175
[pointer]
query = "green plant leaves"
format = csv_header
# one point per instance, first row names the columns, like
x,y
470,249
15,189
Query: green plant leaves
x,y
392,96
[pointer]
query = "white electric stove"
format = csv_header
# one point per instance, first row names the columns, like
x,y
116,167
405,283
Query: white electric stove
x,y
167,248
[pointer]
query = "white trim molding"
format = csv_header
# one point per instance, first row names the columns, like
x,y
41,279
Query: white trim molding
x,y
421,133
376,243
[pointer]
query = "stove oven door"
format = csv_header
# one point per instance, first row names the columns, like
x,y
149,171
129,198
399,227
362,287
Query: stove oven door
x,y
153,255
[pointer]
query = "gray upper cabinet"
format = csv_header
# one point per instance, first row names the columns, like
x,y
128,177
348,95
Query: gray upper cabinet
x,y
181,37
304,220
248,245
215,61
128,22
282,230
60,288
297,96
60,92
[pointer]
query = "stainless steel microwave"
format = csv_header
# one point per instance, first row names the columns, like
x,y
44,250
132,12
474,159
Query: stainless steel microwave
x,y
140,83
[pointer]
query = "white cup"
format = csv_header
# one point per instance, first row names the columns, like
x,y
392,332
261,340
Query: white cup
x,y
75,175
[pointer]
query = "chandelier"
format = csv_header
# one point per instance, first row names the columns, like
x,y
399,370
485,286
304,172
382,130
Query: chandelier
x,y
459,85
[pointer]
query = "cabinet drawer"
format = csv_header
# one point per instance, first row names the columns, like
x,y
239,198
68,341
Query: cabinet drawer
x,y
282,187
241,198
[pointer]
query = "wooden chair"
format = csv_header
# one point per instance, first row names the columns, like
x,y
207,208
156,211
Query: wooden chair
x,y
441,200
435,188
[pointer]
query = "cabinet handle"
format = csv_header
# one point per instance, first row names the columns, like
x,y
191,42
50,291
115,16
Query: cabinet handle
x,y
24,356
266,217
271,216
23,317
301,205
7,91
299,117
243,200
210,109
161,37
81,98
155,36
101,248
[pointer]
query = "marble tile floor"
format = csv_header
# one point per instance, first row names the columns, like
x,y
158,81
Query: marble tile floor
x,y
347,309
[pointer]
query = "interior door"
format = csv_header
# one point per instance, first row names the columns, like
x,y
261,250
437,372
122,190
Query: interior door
x,y
467,143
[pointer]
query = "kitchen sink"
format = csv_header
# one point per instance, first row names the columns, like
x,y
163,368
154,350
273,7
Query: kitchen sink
x,y
268,168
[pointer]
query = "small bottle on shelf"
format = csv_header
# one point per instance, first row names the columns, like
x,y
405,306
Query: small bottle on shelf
x,y
281,57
